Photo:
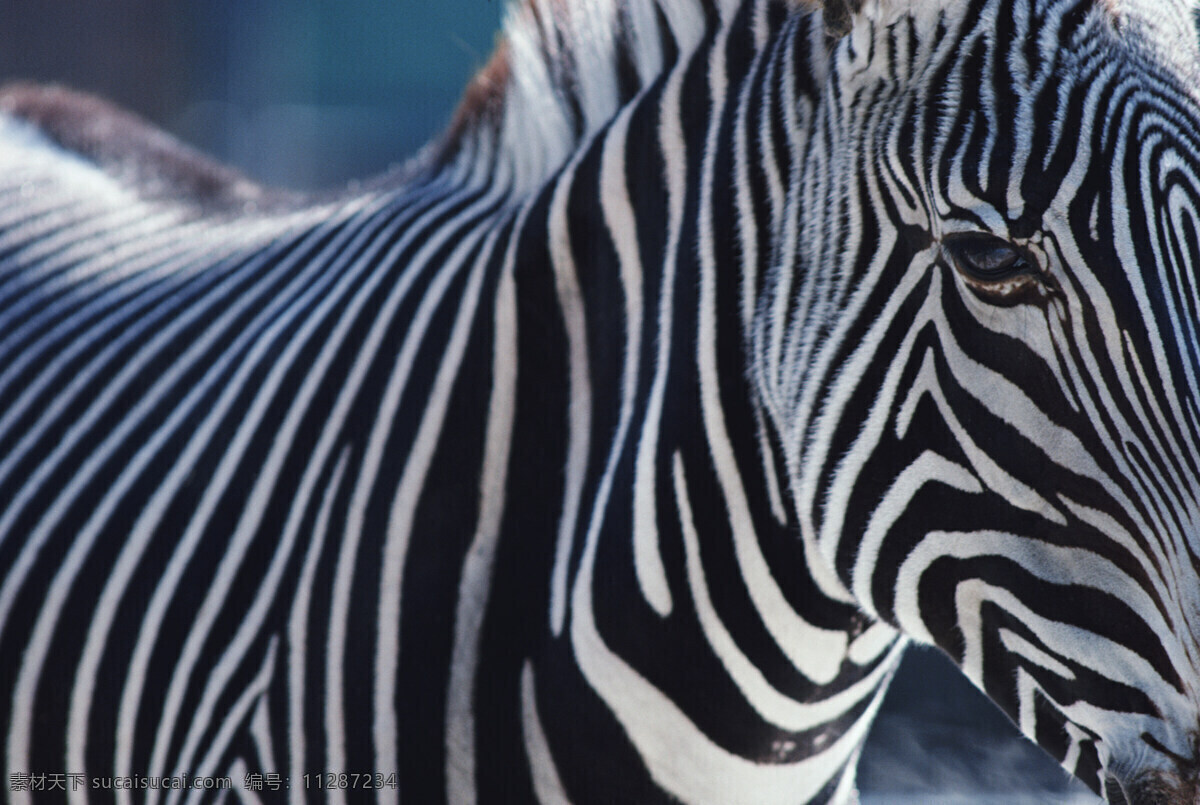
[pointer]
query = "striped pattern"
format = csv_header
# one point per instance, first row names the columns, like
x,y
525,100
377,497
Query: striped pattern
x,y
1009,469
614,448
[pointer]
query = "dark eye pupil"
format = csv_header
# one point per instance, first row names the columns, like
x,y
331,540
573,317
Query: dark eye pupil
x,y
993,260
985,257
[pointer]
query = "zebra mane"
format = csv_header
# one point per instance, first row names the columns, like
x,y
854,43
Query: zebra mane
x,y
563,69
141,157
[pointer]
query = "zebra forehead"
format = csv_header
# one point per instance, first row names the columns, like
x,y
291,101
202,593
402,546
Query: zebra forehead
x,y
1171,20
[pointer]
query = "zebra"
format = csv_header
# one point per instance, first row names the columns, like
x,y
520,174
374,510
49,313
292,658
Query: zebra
x,y
616,447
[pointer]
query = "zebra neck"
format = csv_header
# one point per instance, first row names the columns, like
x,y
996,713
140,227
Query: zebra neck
x,y
680,599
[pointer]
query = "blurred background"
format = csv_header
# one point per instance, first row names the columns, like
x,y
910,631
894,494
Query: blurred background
x,y
303,94
314,93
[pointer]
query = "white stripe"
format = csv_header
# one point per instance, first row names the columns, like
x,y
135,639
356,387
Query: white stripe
x,y
927,468
877,638
81,547
643,28
817,653
547,786
234,719
252,621
772,706
678,756
412,481
645,489
750,261
251,518
237,773
78,430
1023,648
622,227
1063,567
279,315
1075,751
343,584
260,731
142,306
579,410
475,585
687,23
297,631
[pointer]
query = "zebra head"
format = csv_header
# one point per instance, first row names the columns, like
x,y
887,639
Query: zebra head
x,y
981,351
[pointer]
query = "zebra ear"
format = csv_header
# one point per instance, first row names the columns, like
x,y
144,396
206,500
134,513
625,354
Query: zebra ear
x,y
839,16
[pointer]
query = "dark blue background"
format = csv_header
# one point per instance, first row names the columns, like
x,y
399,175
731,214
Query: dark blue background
x,y
307,93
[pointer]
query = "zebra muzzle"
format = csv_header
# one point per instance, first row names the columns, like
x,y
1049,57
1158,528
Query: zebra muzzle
x,y
1152,788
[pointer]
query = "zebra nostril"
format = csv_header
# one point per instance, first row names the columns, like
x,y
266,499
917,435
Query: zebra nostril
x,y
1151,788
1180,785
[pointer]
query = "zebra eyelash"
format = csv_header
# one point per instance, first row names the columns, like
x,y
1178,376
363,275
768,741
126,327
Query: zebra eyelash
x,y
983,258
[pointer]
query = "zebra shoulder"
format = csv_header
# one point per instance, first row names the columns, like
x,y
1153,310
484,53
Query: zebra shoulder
x,y
139,156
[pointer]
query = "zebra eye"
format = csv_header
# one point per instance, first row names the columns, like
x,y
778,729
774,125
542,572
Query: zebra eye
x,y
986,258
